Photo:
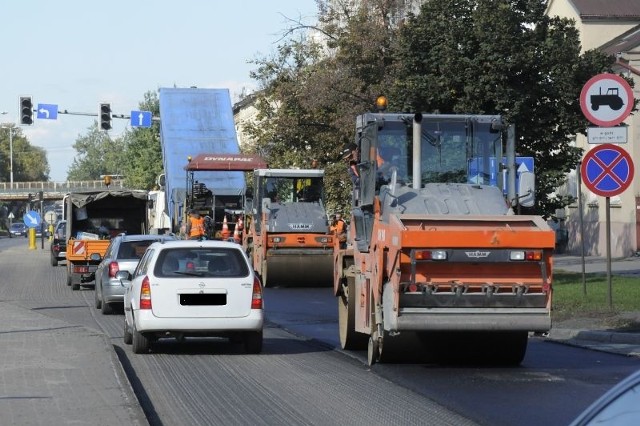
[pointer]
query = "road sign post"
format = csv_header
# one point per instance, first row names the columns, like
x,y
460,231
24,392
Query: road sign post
x,y
607,170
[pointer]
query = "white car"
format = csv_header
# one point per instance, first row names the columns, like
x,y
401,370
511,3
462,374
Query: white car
x,y
193,288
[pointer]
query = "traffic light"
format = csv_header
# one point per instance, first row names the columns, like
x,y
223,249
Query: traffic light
x,y
26,110
105,116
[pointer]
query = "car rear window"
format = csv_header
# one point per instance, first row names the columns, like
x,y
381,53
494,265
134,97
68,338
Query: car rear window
x,y
133,249
201,262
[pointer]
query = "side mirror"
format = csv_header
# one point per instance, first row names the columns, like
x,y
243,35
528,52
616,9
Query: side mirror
x,y
527,189
123,276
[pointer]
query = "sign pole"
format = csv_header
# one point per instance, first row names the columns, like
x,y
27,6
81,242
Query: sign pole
x,y
608,232
580,208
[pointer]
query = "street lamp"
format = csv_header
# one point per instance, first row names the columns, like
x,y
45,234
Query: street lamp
x,y
10,154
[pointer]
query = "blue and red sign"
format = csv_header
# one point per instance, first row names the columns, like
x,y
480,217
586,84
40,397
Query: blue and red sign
x,y
607,170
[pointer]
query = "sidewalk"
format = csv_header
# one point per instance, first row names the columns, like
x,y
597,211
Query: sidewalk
x,y
55,373
625,343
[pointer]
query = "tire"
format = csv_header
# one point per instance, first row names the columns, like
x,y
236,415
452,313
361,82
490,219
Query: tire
x,y
75,286
97,300
126,334
107,308
350,339
140,342
54,260
253,342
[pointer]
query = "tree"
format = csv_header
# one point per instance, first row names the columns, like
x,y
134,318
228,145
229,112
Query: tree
x,y
143,152
97,154
311,92
29,162
501,57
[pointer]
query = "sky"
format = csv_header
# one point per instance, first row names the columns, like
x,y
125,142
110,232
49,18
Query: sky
x,y
77,54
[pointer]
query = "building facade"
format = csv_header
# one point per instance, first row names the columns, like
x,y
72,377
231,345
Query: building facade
x,y
612,26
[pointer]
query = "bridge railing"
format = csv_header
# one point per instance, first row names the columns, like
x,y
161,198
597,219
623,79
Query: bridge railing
x,y
58,187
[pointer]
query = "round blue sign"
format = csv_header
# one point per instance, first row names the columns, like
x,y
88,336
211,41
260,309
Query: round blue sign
x,y
32,219
607,170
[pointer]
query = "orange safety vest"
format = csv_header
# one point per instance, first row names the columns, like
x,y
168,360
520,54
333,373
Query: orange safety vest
x,y
197,227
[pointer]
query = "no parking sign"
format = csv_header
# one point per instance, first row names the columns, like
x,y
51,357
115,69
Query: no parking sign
x,y
607,170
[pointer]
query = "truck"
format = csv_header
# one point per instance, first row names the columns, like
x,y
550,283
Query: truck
x,y
286,232
196,121
436,259
93,217
219,210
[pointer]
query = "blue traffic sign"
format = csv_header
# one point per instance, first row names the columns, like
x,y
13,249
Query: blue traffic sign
x,y
32,219
140,118
47,112
523,164
607,170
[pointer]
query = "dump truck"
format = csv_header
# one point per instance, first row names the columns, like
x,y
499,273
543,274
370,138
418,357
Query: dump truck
x,y
93,217
286,232
436,257
196,121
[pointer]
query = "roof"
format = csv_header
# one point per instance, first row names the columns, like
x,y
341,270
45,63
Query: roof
x,y
607,9
625,42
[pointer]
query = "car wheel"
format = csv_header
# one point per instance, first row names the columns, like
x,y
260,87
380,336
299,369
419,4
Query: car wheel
x,y
126,334
253,342
54,260
68,279
107,308
97,300
139,341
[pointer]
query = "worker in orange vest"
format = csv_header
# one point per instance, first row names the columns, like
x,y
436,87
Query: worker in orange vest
x,y
195,226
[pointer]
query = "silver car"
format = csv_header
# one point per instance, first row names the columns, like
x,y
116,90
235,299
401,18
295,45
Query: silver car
x,y
123,254
193,289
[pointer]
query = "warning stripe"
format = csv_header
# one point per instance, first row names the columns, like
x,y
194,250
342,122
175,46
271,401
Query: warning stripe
x,y
78,247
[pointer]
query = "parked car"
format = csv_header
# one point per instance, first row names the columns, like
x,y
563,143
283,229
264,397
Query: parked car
x,y
193,288
123,254
618,406
58,246
18,229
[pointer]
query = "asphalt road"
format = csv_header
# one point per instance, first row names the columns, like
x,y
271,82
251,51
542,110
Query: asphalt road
x,y
301,378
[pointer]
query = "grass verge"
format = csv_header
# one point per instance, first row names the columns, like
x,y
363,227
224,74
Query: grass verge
x,y
590,299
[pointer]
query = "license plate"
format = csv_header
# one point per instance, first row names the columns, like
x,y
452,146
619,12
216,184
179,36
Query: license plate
x,y
203,299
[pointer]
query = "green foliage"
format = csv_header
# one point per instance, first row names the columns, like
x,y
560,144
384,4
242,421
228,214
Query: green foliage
x,y
29,162
501,57
143,153
136,155
97,154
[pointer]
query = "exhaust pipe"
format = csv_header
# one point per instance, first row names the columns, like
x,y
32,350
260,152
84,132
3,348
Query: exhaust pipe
x,y
417,151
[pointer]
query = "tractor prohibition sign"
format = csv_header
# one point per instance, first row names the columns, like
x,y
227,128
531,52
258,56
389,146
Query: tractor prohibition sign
x,y
606,100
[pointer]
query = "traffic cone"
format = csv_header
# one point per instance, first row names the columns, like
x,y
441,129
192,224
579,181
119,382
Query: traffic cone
x,y
225,228
236,233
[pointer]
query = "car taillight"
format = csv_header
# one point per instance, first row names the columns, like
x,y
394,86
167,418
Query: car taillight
x,y
256,298
113,268
145,294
